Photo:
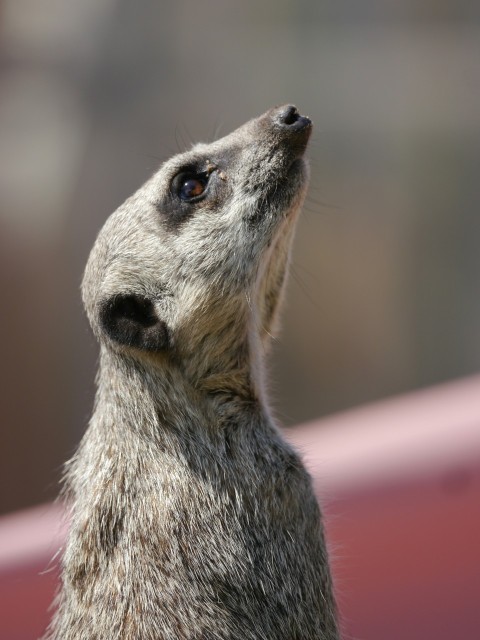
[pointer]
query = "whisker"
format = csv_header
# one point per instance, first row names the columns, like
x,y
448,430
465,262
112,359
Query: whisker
x,y
302,286
177,134
216,128
189,135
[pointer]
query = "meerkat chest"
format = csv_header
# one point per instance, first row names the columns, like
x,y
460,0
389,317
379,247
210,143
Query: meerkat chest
x,y
225,493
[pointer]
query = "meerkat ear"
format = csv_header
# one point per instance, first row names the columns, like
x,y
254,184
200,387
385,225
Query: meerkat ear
x,y
131,320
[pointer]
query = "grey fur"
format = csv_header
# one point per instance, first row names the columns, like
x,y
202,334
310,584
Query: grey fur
x,y
191,517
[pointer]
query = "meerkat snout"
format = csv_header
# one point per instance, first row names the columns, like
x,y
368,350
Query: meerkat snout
x,y
192,518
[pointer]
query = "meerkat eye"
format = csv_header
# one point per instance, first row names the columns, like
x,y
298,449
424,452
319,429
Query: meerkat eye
x,y
190,186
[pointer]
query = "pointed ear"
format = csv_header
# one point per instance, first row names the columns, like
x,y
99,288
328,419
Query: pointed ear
x,y
131,320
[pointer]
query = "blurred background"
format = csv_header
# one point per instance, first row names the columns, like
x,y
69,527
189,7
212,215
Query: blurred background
x,y
94,94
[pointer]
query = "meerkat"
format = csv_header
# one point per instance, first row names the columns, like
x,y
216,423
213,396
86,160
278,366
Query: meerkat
x,y
191,517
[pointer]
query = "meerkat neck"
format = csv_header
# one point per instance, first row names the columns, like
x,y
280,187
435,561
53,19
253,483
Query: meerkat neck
x,y
228,357
138,396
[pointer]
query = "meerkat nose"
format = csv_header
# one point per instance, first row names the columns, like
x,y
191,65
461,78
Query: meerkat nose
x,y
289,128
290,119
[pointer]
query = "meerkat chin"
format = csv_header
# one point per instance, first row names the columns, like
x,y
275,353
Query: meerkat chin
x,y
191,518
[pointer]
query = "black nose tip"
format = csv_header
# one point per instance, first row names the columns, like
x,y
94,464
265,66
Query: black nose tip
x,y
289,118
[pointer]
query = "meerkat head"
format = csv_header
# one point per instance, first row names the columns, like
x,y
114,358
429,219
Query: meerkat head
x,y
197,257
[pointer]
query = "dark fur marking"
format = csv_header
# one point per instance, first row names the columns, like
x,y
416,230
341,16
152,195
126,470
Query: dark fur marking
x,y
175,212
131,320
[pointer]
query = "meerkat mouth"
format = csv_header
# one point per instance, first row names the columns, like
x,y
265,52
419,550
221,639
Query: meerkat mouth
x,y
299,164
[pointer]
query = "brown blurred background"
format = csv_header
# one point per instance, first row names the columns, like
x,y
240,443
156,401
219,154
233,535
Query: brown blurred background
x,y
95,93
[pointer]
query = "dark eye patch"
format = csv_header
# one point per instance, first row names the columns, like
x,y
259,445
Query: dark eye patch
x,y
194,186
